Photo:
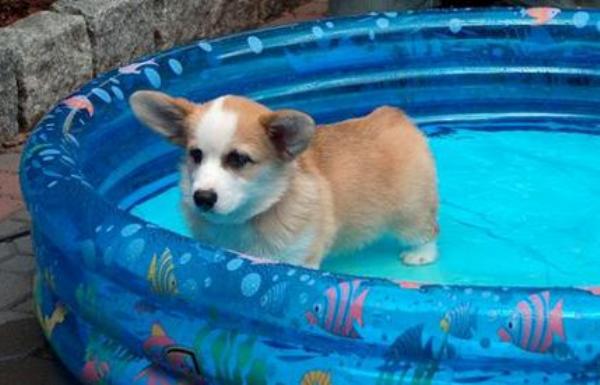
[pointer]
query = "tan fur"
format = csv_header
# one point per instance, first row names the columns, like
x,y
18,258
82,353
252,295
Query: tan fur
x,y
357,179
382,176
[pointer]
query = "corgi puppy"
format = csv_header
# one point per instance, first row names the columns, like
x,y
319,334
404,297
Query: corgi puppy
x,y
274,185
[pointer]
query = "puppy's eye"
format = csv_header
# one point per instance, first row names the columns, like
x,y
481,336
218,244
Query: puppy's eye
x,y
196,155
237,160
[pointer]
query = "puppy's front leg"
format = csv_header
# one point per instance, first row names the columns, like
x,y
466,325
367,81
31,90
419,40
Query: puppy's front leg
x,y
423,254
312,262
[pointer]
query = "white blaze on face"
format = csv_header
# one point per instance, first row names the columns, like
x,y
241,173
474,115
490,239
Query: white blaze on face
x,y
214,134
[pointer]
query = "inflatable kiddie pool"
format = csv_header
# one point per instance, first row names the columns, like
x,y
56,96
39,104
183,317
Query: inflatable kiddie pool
x,y
510,101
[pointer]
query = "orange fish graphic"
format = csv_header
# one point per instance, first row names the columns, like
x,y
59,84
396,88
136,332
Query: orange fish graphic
x,y
80,102
542,15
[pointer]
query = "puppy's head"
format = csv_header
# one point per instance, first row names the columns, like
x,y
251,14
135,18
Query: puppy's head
x,y
239,155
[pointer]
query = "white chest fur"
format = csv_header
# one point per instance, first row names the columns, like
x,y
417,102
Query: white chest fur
x,y
247,238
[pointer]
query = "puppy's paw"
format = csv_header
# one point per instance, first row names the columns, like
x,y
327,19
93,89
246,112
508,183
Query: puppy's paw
x,y
420,255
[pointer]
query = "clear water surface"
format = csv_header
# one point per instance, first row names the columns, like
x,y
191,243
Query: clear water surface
x,y
519,208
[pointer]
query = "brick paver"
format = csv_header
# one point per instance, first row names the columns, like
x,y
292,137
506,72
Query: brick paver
x,y
25,307
10,193
14,289
24,245
20,264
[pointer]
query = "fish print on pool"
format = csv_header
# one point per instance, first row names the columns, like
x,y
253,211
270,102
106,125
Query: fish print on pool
x,y
340,312
161,274
536,325
163,351
460,322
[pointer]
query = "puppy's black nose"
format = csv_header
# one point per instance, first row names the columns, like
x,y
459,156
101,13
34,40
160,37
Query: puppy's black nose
x,y
205,199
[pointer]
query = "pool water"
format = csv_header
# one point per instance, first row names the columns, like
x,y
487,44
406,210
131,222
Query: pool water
x,y
518,208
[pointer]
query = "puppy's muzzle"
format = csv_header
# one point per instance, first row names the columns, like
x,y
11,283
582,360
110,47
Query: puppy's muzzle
x,y
205,199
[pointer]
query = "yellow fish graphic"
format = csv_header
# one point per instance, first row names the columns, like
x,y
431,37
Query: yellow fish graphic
x,y
161,274
49,323
316,377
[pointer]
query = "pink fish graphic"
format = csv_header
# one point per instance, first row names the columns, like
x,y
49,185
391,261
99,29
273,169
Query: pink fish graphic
x,y
595,290
535,325
340,310
94,371
409,284
134,68
80,102
541,15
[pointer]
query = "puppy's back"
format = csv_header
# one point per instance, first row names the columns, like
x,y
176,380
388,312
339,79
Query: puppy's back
x,y
381,174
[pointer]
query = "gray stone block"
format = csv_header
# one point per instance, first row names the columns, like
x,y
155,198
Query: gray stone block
x,y
9,228
25,307
24,245
22,216
9,316
7,250
180,22
52,58
229,16
120,30
14,289
9,126
22,264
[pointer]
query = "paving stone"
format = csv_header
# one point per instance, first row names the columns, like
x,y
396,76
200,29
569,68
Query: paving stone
x,y
9,228
9,126
24,245
13,289
10,186
22,264
7,250
35,371
47,43
20,338
9,316
22,216
120,30
25,307
9,161
8,206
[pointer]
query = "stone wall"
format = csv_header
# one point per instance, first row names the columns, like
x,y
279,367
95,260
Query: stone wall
x,y
48,55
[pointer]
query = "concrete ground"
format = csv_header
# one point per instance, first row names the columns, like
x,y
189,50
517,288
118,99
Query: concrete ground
x,y
25,357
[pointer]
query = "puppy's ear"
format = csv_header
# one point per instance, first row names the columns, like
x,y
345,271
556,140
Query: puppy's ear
x,y
162,113
290,131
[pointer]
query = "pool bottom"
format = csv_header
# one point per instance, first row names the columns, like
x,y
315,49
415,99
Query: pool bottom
x,y
517,209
